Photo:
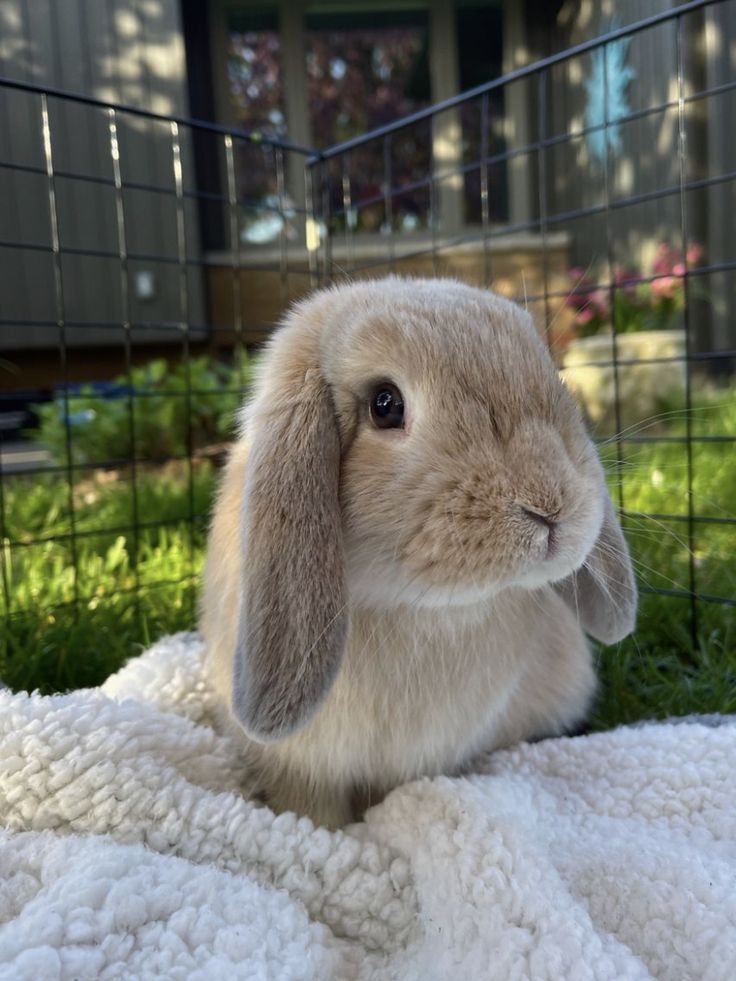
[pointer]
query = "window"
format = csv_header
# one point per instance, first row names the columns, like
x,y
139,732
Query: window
x,y
365,68
256,91
254,72
351,67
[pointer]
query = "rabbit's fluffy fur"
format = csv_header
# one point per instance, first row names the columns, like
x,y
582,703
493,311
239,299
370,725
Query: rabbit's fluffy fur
x,y
385,603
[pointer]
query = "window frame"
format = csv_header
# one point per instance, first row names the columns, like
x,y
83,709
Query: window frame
x,y
444,83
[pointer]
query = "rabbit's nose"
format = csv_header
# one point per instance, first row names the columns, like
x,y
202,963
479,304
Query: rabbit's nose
x,y
541,517
546,520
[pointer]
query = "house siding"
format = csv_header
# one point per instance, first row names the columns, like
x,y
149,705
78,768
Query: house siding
x,y
123,51
647,157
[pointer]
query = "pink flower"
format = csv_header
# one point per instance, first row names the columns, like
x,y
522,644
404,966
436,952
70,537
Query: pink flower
x,y
665,287
584,316
694,254
576,300
679,269
667,257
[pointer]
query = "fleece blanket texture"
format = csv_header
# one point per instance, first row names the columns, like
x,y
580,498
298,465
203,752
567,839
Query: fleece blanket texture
x,y
129,849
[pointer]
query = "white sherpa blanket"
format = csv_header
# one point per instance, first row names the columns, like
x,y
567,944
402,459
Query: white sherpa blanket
x,y
128,852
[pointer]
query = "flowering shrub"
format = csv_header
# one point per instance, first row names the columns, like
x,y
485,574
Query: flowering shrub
x,y
631,304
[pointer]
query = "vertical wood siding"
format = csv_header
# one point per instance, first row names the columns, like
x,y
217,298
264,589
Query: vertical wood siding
x,y
124,51
648,159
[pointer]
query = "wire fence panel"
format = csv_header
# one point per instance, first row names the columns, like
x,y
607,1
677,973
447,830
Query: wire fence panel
x,y
124,347
143,256
596,194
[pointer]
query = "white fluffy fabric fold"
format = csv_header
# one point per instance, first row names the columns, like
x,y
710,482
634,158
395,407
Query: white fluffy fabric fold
x,y
129,849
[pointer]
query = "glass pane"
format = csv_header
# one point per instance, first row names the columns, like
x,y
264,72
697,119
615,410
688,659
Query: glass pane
x,y
254,71
256,87
365,69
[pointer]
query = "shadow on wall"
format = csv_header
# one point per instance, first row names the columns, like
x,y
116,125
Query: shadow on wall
x,y
125,52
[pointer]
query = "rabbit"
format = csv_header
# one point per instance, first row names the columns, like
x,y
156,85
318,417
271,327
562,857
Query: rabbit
x,y
411,539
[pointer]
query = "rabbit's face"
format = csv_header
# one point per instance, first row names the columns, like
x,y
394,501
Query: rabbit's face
x,y
466,467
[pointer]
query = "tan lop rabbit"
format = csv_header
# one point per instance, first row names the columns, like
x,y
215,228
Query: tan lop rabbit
x,y
412,535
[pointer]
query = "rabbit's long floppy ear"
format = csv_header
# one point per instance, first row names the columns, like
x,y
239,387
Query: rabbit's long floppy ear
x,y
293,617
602,592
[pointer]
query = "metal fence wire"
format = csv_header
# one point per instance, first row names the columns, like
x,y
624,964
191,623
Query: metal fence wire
x,y
600,198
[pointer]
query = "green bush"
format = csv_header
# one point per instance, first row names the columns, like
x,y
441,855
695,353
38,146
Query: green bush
x,y
149,415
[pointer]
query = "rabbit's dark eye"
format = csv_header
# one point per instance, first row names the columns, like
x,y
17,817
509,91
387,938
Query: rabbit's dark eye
x,y
386,407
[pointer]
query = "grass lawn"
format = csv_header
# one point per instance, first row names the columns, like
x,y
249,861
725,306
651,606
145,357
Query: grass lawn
x,y
53,643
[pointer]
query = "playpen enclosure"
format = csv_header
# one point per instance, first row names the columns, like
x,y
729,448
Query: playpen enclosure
x,y
570,162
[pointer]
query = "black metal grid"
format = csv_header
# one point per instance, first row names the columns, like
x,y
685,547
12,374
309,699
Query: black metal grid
x,y
330,246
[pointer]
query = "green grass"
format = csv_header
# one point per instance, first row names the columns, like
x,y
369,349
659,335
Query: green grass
x,y
662,669
53,643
